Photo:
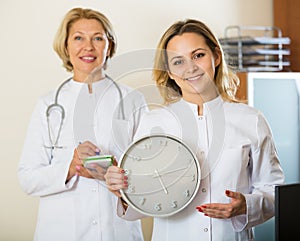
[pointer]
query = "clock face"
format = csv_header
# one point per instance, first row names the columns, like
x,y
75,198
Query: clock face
x,y
163,175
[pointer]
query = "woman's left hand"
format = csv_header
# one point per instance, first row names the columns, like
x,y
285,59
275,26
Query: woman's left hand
x,y
237,206
97,171
116,180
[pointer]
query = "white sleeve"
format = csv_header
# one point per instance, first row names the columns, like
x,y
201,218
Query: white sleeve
x,y
266,173
36,175
130,214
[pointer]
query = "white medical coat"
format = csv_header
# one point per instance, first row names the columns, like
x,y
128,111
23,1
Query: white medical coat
x,y
82,209
234,146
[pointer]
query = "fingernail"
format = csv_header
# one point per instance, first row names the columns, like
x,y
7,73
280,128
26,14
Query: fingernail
x,y
125,182
122,171
125,177
227,192
97,151
77,168
200,209
203,206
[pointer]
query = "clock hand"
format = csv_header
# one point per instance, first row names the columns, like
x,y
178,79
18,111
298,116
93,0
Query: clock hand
x,y
161,183
171,171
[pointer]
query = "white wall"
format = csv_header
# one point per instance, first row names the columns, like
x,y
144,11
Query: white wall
x,y
29,68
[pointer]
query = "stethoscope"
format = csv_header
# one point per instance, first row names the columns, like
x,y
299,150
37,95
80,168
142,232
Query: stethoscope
x,y
60,108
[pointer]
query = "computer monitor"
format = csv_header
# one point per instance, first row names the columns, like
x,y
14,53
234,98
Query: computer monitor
x,y
287,211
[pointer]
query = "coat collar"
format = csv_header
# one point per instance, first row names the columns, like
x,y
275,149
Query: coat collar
x,y
208,107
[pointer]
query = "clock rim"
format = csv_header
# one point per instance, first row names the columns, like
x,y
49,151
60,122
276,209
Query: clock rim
x,y
123,194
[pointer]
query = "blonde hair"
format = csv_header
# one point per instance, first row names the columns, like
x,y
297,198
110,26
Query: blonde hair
x,y
225,79
75,14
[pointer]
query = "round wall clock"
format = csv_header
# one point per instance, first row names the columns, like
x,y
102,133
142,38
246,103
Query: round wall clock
x,y
163,175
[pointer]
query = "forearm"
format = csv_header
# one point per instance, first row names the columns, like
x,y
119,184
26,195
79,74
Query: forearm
x,y
40,181
127,212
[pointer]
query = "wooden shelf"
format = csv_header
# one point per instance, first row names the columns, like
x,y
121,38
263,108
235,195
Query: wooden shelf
x,y
287,18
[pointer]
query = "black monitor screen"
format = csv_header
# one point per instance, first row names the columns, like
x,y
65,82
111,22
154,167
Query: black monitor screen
x,y
287,211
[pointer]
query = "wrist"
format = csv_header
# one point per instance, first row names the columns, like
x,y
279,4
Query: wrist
x,y
71,173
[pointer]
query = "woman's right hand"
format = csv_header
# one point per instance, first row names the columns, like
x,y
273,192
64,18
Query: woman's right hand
x,y
81,152
115,179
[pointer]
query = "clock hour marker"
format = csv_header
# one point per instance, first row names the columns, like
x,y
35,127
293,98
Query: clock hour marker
x,y
157,207
147,146
142,200
186,193
193,178
163,142
130,189
174,204
136,158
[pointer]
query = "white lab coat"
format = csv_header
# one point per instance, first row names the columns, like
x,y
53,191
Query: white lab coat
x,y
82,209
234,146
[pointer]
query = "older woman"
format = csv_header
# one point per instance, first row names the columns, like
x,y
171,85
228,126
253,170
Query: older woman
x,y
80,120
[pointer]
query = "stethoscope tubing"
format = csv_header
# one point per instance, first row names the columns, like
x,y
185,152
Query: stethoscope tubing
x,y
54,143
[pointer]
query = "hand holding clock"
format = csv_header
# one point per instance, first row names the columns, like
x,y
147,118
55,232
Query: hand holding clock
x,y
115,179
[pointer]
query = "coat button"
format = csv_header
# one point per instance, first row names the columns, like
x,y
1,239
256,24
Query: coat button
x,y
205,229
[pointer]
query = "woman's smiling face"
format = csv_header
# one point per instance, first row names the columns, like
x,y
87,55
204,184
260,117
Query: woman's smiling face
x,y
192,65
88,47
